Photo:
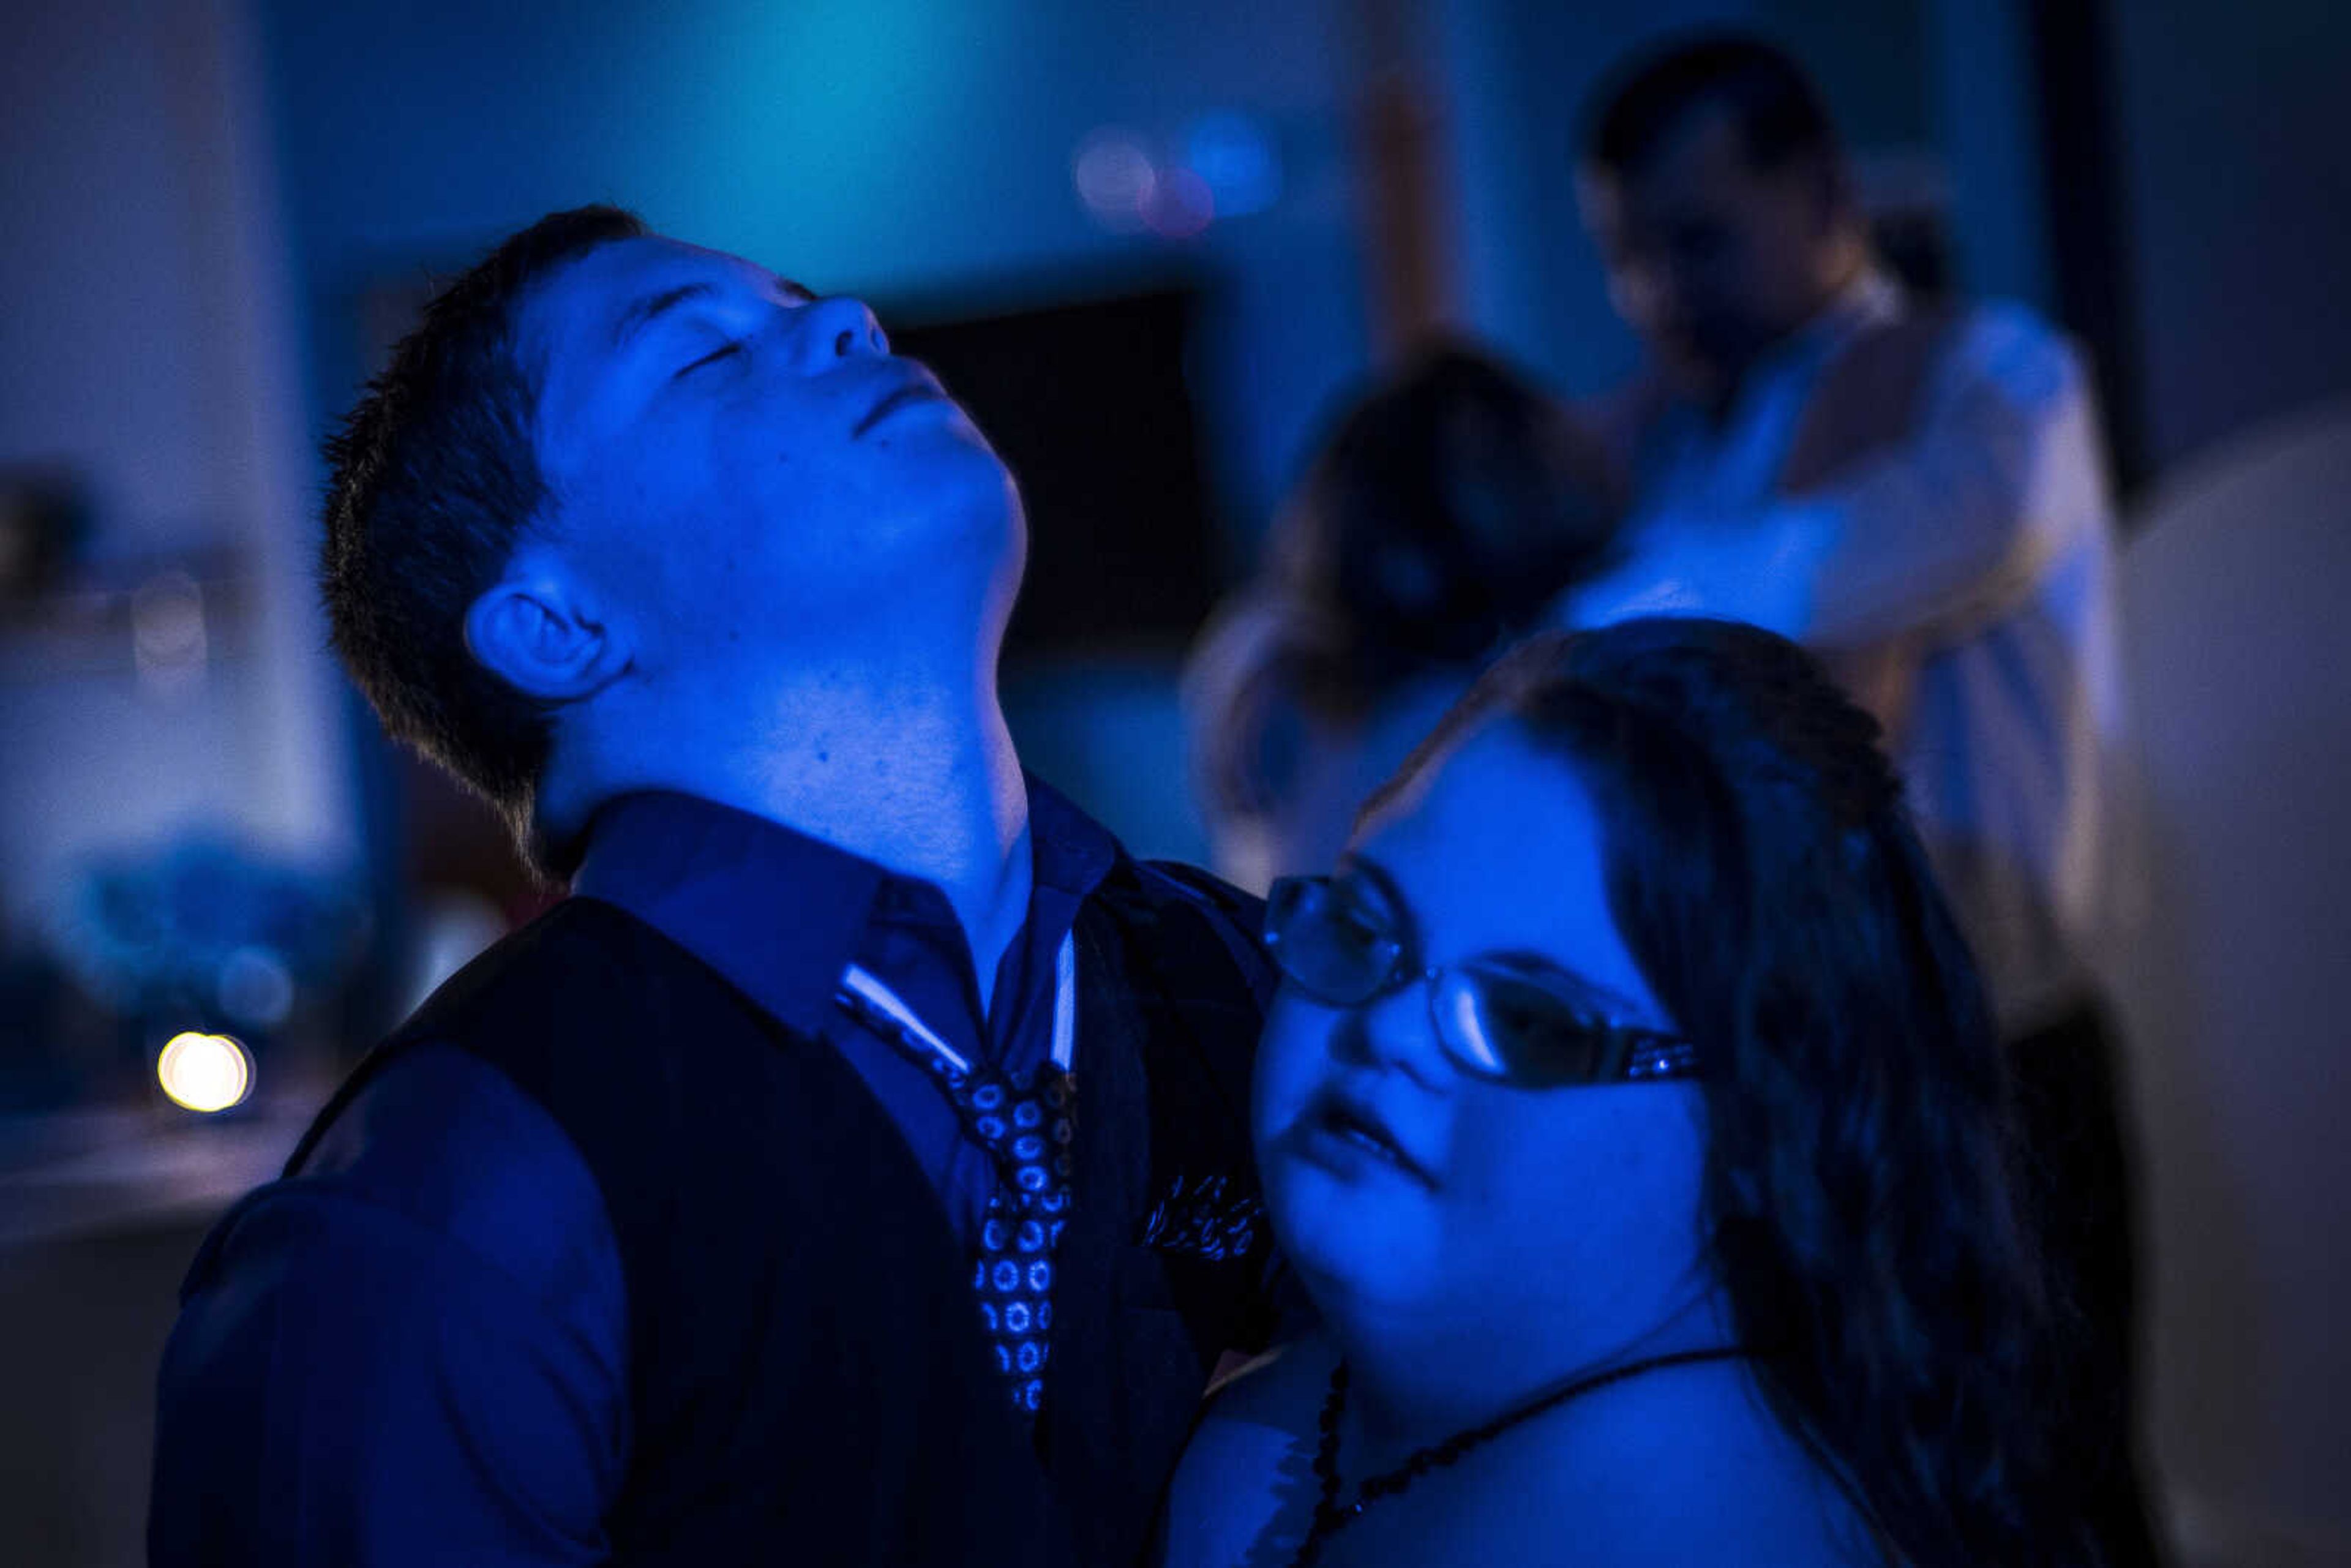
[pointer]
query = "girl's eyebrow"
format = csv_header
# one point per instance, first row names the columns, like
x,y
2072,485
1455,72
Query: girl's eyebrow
x,y
1355,864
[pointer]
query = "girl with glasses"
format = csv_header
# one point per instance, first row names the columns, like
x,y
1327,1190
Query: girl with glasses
x,y
1630,1112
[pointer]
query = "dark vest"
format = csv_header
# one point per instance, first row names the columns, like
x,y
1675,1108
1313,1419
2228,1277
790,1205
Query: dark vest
x,y
808,1381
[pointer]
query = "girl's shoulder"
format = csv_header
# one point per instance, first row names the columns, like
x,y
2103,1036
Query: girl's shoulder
x,y
1244,1489
1283,1388
1697,1470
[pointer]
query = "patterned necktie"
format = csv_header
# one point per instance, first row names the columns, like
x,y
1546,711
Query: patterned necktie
x,y
1026,1122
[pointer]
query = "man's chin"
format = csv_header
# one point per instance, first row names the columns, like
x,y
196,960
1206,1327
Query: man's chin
x,y
980,517
962,450
1700,373
1692,378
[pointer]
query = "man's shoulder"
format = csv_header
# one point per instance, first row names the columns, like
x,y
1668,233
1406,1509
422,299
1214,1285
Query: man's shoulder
x,y
1214,930
438,1127
508,1003
1285,1388
1185,967
1993,314
456,1121
1220,899
446,1141
583,979
432,1296
1245,1487
1623,419
436,1171
2007,343
579,950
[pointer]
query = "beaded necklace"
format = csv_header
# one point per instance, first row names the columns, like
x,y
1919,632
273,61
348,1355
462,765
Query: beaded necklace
x,y
1329,1518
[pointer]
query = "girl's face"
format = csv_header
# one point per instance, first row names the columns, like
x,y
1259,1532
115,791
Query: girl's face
x,y
1401,1181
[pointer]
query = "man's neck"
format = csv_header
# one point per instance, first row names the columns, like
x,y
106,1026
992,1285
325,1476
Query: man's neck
x,y
1840,281
896,766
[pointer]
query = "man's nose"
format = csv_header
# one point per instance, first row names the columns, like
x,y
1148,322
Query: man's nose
x,y
839,327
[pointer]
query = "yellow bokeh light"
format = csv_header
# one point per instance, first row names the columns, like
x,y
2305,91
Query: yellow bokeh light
x,y
204,1072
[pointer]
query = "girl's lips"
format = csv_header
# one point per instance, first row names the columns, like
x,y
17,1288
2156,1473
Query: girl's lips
x,y
1341,1130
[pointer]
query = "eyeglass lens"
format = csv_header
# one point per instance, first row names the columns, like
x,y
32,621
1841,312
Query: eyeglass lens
x,y
1496,1018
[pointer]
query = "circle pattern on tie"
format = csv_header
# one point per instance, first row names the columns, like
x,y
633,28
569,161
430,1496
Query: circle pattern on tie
x,y
1025,1121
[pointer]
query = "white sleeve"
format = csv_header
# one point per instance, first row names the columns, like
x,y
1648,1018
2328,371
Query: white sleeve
x,y
1923,541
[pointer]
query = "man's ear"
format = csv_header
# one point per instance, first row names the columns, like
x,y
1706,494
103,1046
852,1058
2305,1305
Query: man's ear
x,y
539,631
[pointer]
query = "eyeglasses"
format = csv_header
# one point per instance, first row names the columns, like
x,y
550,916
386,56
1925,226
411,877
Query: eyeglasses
x,y
1509,1019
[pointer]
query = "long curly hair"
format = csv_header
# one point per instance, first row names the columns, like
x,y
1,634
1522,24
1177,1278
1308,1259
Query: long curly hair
x,y
1861,1196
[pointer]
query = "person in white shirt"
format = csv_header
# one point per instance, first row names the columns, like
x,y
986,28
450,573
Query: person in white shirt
x,y
1916,493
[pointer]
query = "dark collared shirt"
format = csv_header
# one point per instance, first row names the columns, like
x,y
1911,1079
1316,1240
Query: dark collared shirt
x,y
781,914
420,1340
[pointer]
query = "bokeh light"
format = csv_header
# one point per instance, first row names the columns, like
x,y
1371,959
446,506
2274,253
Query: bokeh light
x,y
1223,165
1181,205
256,987
168,637
1232,153
204,1072
1115,178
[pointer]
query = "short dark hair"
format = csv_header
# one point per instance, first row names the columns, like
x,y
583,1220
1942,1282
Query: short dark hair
x,y
1780,114
435,476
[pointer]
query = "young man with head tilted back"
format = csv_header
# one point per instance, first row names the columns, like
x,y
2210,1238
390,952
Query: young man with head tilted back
x,y
852,1168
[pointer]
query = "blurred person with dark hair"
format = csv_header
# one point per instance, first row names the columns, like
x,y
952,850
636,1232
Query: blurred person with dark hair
x,y
852,1168
1632,1113
1917,494
1440,515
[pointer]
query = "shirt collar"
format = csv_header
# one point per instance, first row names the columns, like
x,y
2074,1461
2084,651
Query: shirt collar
x,y
782,914
778,912
1872,298
1072,853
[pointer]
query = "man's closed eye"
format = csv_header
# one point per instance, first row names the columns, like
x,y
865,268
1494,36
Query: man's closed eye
x,y
721,352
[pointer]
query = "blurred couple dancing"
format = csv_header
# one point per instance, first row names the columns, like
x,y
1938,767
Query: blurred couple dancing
x,y
1597,1145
